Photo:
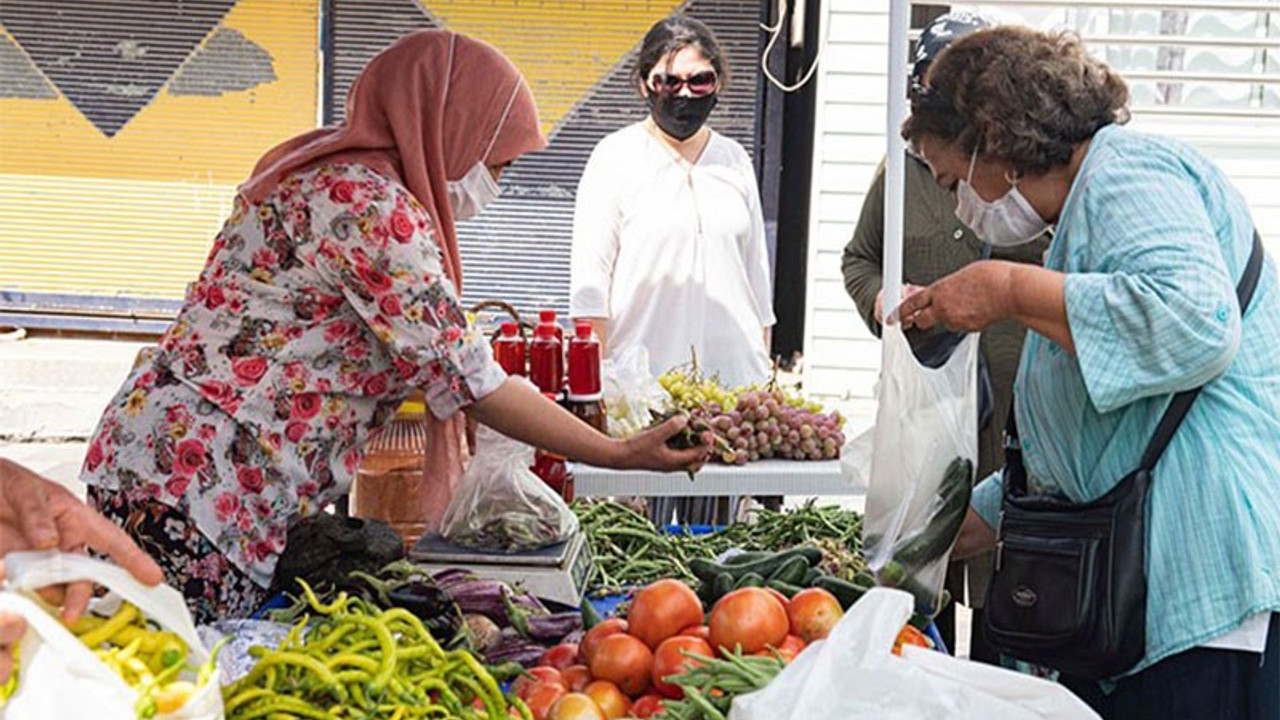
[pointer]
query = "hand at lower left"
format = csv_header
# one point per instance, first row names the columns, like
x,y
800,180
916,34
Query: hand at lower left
x,y
970,299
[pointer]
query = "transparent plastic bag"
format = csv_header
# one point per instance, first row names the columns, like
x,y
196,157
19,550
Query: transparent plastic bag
x,y
632,394
854,674
58,675
925,445
501,505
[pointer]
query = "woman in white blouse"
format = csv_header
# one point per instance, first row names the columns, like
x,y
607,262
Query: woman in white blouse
x,y
668,235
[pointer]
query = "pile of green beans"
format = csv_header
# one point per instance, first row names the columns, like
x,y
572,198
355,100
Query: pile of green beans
x,y
357,661
710,688
629,551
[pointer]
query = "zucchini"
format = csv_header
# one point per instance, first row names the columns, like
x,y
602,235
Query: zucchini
x,y
722,585
846,592
705,569
809,576
937,537
785,588
791,572
749,580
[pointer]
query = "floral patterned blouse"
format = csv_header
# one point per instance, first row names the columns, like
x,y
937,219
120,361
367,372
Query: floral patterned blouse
x,y
317,313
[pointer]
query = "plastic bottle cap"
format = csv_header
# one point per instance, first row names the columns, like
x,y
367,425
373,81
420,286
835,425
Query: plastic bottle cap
x,y
582,330
412,407
510,329
547,316
545,331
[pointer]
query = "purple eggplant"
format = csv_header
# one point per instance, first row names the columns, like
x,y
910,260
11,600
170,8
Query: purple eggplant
x,y
553,628
515,649
453,576
482,597
530,603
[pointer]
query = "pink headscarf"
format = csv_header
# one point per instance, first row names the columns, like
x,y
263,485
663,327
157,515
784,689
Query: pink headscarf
x,y
423,111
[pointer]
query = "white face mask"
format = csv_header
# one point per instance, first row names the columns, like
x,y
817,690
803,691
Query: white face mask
x,y
1006,222
469,196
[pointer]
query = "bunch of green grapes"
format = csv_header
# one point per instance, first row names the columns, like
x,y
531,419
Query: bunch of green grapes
x,y
690,391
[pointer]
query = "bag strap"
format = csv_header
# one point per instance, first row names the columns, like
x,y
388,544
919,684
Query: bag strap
x,y
1181,402
1015,474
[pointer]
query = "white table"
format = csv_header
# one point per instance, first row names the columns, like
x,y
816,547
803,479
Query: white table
x,y
764,477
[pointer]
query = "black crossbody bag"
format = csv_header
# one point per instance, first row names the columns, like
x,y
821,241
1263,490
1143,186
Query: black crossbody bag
x,y
1070,586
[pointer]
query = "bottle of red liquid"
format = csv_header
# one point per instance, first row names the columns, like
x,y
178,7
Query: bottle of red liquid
x,y
584,398
546,360
510,350
548,317
553,470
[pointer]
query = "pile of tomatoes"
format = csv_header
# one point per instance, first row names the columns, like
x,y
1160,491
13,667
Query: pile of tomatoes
x,y
619,669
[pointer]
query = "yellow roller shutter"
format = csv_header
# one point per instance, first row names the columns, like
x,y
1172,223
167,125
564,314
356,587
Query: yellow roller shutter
x,y
126,126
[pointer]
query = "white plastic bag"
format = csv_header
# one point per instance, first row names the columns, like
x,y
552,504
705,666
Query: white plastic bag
x,y
501,505
631,392
854,674
58,676
926,441
855,459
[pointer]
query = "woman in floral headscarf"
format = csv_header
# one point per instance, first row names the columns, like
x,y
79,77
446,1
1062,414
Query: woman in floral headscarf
x,y
329,296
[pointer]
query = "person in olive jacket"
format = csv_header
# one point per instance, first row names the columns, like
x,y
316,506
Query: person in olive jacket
x,y
936,244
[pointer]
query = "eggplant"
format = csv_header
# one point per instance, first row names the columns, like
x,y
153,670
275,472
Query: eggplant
x,y
516,650
453,576
553,628
482,597
530,603
573,638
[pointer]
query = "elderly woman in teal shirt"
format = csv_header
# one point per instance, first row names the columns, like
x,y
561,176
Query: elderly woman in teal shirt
x,y
1136,302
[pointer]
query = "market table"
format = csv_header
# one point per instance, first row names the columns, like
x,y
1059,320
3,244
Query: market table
x,y
764,477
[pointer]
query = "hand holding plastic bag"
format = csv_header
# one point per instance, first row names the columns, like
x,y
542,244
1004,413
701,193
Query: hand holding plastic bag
x,y
854,674
631,394
58,675
926,441
501,505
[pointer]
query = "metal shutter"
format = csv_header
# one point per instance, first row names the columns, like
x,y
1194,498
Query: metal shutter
x,y
577,57
126,126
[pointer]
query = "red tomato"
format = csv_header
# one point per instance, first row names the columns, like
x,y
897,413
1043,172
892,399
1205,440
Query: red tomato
x,y
524,683
577,677
813,613
661,609
575,706
624,661
541,697
750,618
610,699
671,660
591,640
698,631
647,707
910,636
560,656
786,601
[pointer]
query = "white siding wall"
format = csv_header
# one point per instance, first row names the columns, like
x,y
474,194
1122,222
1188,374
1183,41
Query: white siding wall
x,y
842,358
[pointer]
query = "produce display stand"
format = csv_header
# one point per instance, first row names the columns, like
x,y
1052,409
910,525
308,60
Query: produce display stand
x,y
764,477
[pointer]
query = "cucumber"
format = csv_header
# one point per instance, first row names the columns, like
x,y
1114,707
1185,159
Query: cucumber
x,y
937,537
809,576
893,574
846,592
785,588
722,585
791,572
749,580
705,569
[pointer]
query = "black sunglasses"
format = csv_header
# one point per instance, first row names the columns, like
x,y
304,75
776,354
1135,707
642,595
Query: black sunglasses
x,y
699,84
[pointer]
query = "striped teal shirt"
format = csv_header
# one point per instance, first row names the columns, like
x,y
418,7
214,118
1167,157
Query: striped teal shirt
x,y
1153,238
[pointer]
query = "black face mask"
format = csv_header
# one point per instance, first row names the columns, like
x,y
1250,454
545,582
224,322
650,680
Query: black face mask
x,y
680,116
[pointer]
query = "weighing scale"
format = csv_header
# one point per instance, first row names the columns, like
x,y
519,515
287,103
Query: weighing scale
x,y
558,572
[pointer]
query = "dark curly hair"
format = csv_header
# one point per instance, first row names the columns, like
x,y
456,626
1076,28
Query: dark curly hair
x,y
1023,96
